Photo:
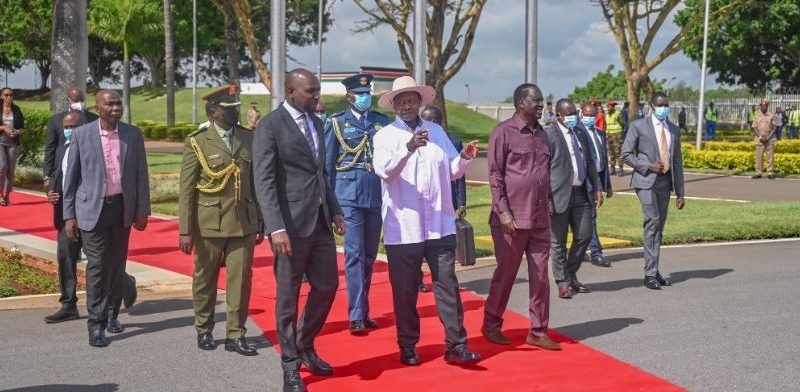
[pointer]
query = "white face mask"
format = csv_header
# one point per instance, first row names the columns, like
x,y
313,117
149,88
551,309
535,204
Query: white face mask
x,y
77,105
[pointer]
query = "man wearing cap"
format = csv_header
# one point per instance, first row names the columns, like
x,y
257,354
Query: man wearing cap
x,y
764,125
349,151
614,136
219,217
416,162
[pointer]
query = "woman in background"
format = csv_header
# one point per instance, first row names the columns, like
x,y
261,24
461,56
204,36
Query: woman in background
x,y
12,125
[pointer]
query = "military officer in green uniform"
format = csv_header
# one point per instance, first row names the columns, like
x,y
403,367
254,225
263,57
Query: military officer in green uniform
x,y
220,218
348,145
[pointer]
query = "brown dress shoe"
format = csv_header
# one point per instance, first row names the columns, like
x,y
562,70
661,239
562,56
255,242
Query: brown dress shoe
x,y
564,292
543,342
495,336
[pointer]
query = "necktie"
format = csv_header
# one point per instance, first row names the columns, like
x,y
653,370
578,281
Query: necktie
x,y
663,149
227,138
307,133
599,161
576,148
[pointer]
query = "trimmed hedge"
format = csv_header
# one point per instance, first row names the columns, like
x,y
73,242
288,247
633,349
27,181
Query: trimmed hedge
x,y
781,147
737,160
32,141
159,131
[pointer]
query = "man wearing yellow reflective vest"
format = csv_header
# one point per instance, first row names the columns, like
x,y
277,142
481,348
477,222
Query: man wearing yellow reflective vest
x,y
711,122
794,123
614,136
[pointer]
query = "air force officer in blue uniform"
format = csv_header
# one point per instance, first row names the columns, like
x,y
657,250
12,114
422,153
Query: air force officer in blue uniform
x,y
348,142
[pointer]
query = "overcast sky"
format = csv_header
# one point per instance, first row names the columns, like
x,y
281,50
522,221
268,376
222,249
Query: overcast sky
x,y
574,44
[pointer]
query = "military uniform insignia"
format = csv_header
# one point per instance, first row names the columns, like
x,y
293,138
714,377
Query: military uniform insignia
x,y
377,127
215,156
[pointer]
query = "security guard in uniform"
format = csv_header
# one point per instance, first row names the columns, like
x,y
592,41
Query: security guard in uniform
x,y
348,143
220,217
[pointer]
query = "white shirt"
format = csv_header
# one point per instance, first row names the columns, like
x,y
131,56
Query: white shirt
x,y
595,139
64,163
567,138
417,201
663,127
296,114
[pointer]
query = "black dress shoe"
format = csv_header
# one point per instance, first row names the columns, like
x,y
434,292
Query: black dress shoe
x,y
370,323
240,346
130,296
652,283
97,338
579,287
292,381
114,326
601,262
662,281
409,356
315,364
205,341
356,327
461,355
63,314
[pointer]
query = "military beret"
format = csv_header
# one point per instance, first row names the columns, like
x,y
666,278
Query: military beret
x,y
225,96
359,83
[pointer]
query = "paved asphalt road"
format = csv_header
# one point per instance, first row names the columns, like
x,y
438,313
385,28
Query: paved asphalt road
x,y
730,323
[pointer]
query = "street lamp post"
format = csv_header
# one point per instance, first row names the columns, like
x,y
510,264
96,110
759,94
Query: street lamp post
x,y
419,41
194,61
531,26
468,95
278,52
319,38
702,80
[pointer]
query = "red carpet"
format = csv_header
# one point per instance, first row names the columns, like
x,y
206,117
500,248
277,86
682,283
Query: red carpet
x,y
372,363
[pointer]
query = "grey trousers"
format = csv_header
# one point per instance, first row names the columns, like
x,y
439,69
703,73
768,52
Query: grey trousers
x,y
655,202
8,165
68,253
405,261
578,218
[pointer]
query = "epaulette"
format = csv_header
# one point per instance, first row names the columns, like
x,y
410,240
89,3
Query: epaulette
x,y
382,114
204,126
337,114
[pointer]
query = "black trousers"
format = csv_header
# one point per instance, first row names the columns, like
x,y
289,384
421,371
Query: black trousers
x,y
68,253
314,256
405,261
578,218
106,248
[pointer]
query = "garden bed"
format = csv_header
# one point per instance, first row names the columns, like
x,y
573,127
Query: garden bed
x,y
22,274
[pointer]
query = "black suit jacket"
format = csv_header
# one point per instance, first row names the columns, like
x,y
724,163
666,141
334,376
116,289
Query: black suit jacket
x,y
290,184
56,186
561,167
55,139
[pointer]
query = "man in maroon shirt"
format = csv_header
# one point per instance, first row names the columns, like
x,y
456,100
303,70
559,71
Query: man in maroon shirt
x,y
519,177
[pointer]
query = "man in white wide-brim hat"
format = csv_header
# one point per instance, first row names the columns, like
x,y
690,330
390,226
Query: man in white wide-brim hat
x,y
416,162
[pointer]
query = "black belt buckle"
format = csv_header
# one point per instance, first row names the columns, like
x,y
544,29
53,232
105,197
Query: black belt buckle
x,y
112,199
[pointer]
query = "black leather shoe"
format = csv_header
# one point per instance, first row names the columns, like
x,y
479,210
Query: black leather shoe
x,y
205,341
370,323
601,262
63,314
240,346
461,355
114,326
97,338
652,283
755,177
579,287
771,176
315,364
662,281
409,356
130,296
292,381
356,327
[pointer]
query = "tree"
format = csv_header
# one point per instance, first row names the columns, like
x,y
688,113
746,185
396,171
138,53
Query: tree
x,y
628,19
253,17
758,45
232,41
26,35
123,21
605,86
445,58
170,63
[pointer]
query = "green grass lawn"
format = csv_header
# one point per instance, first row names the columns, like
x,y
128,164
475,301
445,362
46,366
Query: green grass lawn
x,y
17,278
149,104
162,163
700,220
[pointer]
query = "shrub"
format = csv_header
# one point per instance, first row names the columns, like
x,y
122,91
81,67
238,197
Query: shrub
x,y
737,160
164,189
781,147
158,132
27,174
32,141
175,133
146,131
145,123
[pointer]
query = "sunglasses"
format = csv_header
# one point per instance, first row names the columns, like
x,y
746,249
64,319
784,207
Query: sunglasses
x,y
8,95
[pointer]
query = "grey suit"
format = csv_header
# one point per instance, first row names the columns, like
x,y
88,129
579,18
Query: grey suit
x,y
105,222
653,189
295,195
572,205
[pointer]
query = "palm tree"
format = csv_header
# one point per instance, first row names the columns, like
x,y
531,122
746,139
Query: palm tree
x,y
169,64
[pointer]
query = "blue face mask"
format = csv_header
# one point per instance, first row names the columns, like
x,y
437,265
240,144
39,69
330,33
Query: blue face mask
x,y
571,121
322,116
67,133
362,102
588,121
661,112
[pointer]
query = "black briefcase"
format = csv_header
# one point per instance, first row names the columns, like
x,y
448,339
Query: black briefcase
x,y
465,242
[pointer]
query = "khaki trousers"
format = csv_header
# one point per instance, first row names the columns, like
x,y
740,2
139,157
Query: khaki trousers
x,y
770,146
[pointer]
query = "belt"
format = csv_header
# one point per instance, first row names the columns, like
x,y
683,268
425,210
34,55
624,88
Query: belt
x,y
113,199
578,188
360,165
